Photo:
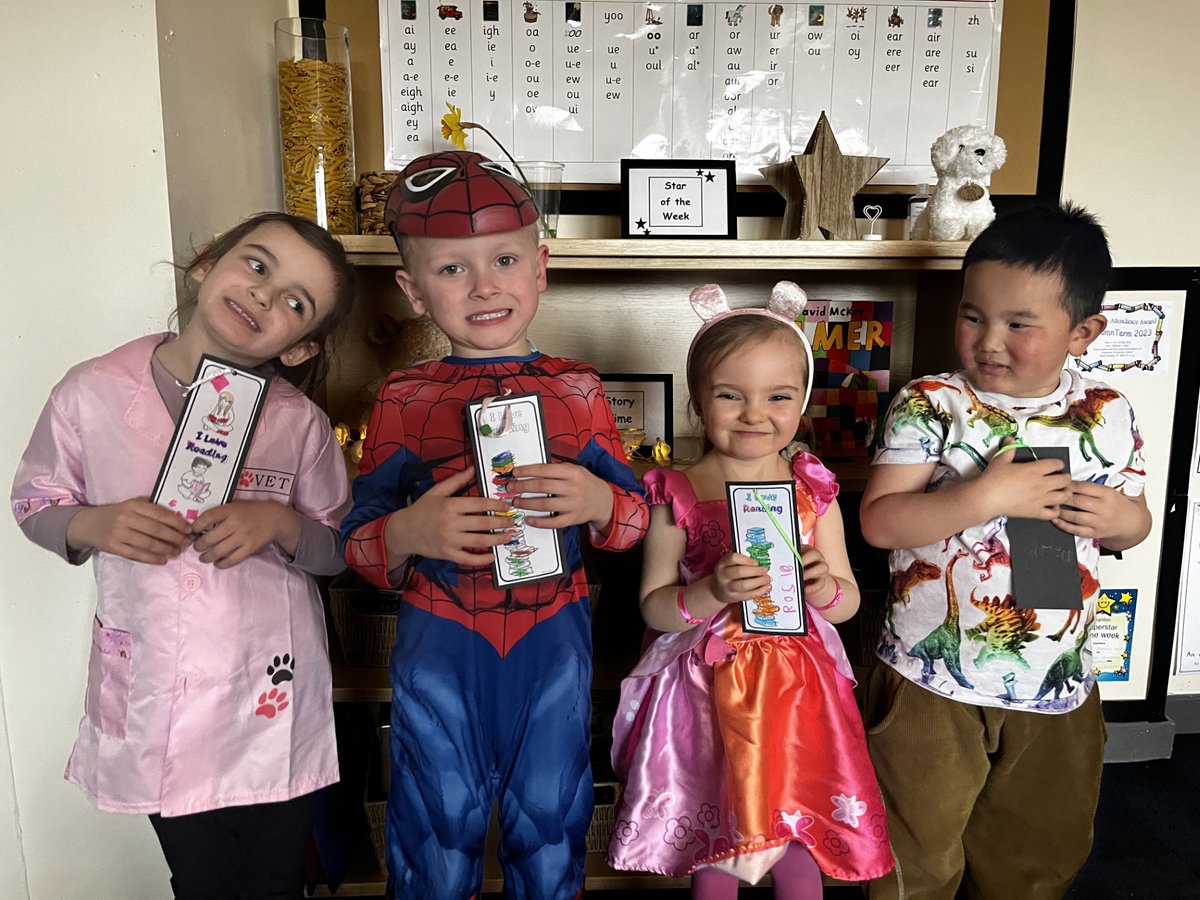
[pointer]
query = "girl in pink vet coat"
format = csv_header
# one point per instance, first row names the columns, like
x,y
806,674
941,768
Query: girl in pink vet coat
x,y
744,753
209,702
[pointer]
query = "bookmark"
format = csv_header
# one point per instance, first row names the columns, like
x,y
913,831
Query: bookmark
x,y
204,461
507,432
1045,568
765,528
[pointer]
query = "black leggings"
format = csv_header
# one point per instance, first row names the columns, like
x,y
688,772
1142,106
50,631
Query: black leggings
x,y
240,852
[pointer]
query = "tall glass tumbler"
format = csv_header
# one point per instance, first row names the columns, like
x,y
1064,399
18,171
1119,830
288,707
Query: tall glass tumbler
x,y
316,122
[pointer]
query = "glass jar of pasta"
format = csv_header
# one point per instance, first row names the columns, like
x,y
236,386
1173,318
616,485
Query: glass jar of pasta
x,y
316,123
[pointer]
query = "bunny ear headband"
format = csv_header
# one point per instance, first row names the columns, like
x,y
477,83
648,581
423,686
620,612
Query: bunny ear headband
x,y
785,305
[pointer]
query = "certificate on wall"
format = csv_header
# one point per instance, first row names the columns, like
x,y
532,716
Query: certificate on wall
x,y
507,432
201,468
1132,340
1112,633
765,528
1187,654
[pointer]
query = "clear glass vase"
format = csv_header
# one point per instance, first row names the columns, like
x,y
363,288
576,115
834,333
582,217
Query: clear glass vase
x,y
316,122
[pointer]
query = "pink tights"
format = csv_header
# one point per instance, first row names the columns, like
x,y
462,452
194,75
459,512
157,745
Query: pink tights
x,y
796,877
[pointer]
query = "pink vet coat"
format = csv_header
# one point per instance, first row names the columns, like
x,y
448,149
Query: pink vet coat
x,y
206,688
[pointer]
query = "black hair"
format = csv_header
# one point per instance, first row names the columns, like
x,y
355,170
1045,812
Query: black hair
x,y
1063,240
200,459
312,371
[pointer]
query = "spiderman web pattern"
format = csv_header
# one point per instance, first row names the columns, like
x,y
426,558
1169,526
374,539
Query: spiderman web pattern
x,y
419,419
458,193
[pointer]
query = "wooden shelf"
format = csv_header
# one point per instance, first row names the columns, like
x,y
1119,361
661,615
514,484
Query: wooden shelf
x,y
635,292
365,880
361,684
691,255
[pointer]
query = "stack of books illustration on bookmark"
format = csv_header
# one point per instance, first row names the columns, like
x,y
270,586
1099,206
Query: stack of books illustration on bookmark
x,y
507,432
761,610
516,551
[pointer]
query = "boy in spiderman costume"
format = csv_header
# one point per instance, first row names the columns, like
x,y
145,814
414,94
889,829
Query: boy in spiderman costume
x,y
490,688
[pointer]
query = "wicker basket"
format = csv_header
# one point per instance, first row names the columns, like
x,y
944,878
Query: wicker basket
x,y
604,817
373,188
377,819
365,621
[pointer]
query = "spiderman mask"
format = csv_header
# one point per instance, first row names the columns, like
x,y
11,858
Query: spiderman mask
x,y
457,193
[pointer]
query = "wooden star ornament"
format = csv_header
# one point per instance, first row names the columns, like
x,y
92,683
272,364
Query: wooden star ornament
x,y
819,186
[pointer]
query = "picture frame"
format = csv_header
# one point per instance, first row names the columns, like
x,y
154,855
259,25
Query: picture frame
x,y
678,198
644,402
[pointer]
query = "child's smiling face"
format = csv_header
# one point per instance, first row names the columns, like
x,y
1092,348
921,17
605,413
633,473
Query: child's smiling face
x,y
752,405
482,291
1013,333
263,297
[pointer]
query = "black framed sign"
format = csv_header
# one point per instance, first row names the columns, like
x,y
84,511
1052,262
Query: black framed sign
x,y
641,403
678,198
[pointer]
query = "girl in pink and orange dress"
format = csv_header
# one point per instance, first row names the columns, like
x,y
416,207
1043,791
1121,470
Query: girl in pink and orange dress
x,y
743,753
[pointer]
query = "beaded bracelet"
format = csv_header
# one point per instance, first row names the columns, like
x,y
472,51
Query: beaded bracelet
x,y
837,598
683,610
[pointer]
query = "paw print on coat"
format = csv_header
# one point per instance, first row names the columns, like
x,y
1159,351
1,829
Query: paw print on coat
x,y
246,479
271,703
280,670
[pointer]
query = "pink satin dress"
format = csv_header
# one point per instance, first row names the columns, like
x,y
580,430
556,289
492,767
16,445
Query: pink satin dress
x,y
730,745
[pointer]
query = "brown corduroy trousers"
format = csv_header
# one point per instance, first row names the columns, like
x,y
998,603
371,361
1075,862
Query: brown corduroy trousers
x,y
982,803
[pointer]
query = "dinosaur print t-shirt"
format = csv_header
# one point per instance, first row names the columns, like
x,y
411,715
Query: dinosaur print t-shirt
x,y
952,624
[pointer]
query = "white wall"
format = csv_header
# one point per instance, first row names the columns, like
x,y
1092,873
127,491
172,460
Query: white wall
x,y
84,176
220,113
1135,126
85,217
84,188
1130,142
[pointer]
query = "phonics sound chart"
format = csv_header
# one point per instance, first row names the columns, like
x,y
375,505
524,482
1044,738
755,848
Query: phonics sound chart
x,y
588,83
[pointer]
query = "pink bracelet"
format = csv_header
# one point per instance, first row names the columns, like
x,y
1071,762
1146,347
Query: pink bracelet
x,y
683,610
837,598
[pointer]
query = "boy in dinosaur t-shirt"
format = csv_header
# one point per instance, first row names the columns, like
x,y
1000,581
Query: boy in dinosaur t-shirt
x,y
981,719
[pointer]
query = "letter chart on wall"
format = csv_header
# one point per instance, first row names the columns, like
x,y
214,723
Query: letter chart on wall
x,y
589,83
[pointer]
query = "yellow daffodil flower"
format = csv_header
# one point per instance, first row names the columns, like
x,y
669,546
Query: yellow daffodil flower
x,y
452,129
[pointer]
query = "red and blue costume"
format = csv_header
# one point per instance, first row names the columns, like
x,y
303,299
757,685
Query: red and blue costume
x,y
491,688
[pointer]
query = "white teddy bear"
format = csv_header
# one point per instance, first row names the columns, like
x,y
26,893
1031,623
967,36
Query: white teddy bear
x,y
961,206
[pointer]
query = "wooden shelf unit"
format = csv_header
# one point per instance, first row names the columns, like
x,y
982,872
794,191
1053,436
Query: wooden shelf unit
x,y
622,306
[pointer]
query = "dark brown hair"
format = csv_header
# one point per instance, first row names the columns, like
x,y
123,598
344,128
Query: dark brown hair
x,y
311,372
